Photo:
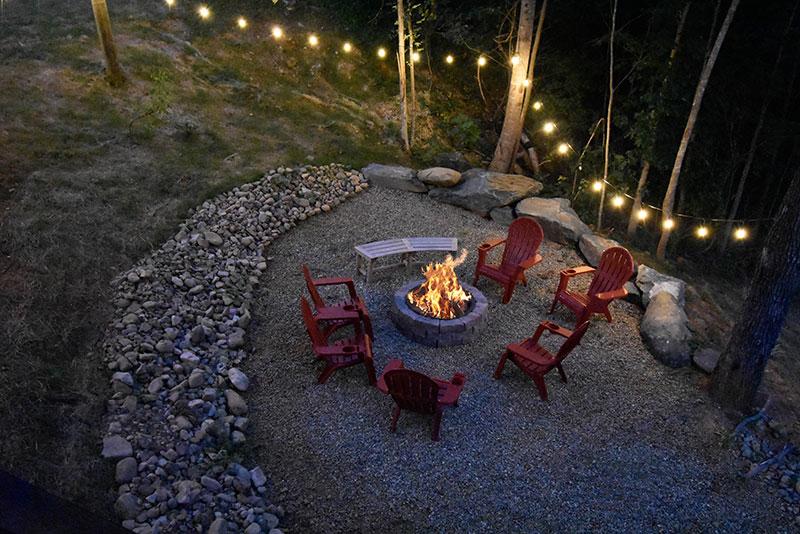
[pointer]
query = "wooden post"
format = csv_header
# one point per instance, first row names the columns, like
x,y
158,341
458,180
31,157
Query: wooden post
x,y
116,77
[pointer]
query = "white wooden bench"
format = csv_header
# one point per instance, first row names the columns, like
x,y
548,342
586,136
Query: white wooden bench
x,y
406,247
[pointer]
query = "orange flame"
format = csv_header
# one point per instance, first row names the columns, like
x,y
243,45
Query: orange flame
x,y
441,295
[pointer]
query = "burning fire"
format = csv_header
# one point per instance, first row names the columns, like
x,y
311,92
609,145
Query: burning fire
x,y
441,295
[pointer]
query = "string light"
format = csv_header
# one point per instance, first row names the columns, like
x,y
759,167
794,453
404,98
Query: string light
x,y
617,201
668,224
642,214
449,59
241,22
382,52
415,57
515,59
597,186
170,3
526,83
701,232
563,148
313,40
537,106
481,61
203,12
549,127
347,47
740,233
277,32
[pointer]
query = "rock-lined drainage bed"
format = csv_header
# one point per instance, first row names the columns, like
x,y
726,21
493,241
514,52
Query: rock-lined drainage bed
x,y
178,412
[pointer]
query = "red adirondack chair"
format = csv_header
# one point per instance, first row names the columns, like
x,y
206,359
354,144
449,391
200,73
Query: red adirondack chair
x,y
342,352
419,393
346,311
615,269
535,360
520,253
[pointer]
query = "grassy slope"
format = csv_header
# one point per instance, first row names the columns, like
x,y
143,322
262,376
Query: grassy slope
x,y
84,194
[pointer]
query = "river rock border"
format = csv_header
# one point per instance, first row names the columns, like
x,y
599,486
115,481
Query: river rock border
x,y
177,412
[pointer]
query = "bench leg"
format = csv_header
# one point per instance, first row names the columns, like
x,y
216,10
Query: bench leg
x,y
369,270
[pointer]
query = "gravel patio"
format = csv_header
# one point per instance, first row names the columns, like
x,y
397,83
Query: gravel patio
x,y
627,445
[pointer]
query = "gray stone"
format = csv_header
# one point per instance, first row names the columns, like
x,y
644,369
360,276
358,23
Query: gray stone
x,y
238,379
706,359
482,190
115,447
257,477
210,483
504,215
187,491
196,379
236,339
452,160
652,282
213,238
592,247
665,330
124,378
253,528
189,359
198,335
127,506
236,404
393,177
165,346
218,526
155,386
558,220
634,295
127,468
272,521
439,177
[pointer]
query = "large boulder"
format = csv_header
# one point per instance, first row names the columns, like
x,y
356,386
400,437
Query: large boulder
x,y
452,160
504,215
665,330
482,190
393,177
559,222
439,177
652,282
707,359
592,247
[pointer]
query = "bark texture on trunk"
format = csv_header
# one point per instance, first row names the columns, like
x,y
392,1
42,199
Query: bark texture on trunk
x,y
116,77
401,71
633,220
775,283
537,40
512,121
413,80
607,137
669,196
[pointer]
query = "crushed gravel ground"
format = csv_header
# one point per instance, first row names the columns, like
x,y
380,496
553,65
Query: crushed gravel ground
x,y
626,445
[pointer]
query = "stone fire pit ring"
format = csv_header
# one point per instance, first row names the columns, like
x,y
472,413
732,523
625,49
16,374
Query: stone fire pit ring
x,y
439,332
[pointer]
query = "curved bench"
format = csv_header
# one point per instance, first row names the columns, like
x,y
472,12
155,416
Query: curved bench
x,y
406,247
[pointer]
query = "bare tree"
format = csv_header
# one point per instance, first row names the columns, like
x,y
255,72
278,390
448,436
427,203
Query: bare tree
x,y
775,283
512,121
669,197
401,70
607,137
411,51
114,74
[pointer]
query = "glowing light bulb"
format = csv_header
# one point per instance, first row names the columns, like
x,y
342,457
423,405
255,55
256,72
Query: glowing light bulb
x,y
313,40
277,32
740,233
415,57
515,59
481,61
668,224
642,214
170,3
347,47
537,106
382,52
563,148
617,201
701,232
526,83
597,186
449,59
241,22
549,127
203,12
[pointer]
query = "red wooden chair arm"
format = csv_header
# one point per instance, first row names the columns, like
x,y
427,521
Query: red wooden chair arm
x,y
488,245
453,390
553,328
391,366
336,314
567,274
351,288
608,296
530,262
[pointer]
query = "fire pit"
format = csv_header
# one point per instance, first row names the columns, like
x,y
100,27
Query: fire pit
x,y
440,310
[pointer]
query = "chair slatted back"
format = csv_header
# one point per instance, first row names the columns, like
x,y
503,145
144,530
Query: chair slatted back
x,y
412,390
312,289
312,327
572,341
525,236
615,269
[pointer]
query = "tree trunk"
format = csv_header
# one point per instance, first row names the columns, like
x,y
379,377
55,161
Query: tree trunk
x,y
633,220
512,121
413,80
751,152
532,65
775,283
607,137
669,197
401,71
116,77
